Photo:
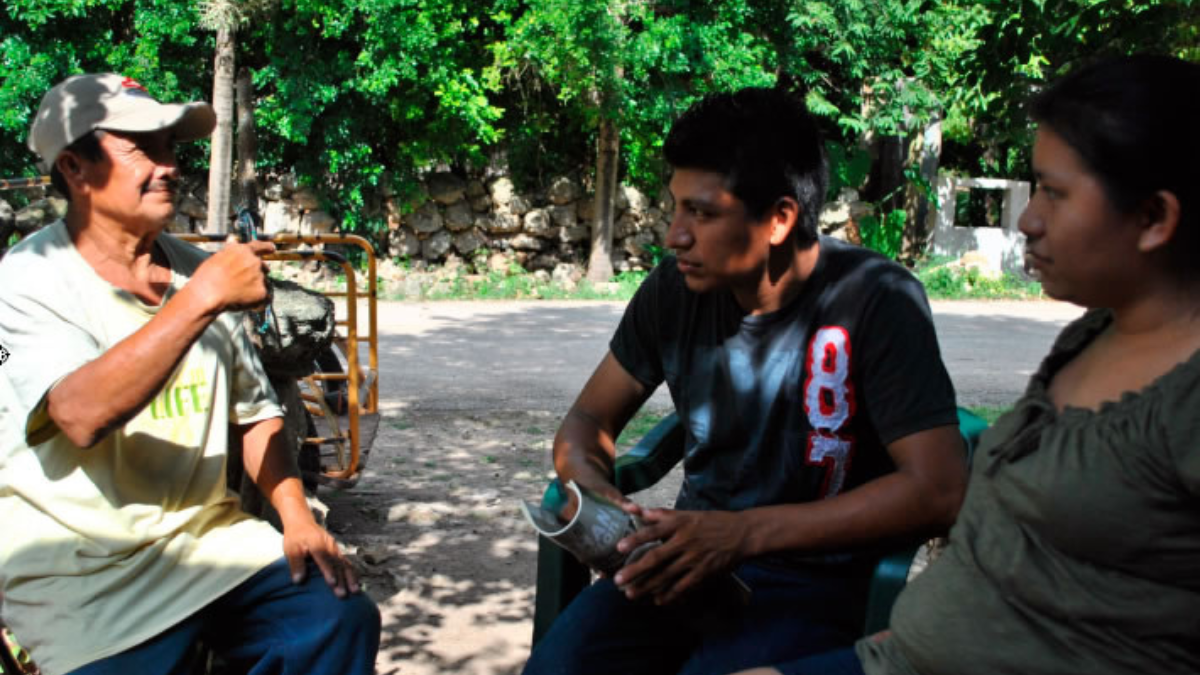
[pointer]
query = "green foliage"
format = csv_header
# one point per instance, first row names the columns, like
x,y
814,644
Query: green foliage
x,y
949,282
657,253
355,96
352,94
637,64
864,65
1022,44
512,284
642,422
873,65
884,236
848,167
153,41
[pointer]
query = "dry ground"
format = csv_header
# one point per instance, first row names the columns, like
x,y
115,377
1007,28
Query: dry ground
x,y
435,530
439,539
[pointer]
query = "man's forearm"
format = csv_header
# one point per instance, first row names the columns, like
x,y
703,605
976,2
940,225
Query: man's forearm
x,y
892,507
269,463
583,450
108,391
585,445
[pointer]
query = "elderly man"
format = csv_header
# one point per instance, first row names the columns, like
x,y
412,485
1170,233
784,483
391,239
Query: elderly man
x,y
128,369
820,420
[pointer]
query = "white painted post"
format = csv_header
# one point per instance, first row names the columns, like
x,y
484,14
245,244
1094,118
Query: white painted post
x,y
1016,197
945,197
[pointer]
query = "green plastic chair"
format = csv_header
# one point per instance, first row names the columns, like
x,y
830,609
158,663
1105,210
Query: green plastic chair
x,y
560,577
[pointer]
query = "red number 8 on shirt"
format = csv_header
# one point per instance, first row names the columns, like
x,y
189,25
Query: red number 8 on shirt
x,y
829,404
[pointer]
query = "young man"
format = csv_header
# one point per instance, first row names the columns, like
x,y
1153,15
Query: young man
x,y
820,419
128,369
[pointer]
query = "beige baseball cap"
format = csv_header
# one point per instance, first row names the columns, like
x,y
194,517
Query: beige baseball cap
x,y
82,103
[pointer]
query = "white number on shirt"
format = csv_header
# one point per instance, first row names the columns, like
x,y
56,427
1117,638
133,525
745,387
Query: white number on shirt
x,y
829,404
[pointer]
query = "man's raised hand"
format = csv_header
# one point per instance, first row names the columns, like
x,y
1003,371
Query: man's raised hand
x,y
235,277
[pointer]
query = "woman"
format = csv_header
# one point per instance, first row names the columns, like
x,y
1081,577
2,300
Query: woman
x,y
1077,549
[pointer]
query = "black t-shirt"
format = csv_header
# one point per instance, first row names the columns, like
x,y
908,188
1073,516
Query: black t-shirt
x,y
796,405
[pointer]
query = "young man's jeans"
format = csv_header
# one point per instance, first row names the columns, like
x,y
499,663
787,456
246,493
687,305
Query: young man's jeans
x,y
840,662
791,614
265,626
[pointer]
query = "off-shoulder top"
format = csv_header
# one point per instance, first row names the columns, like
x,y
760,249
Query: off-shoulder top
x,y
1077,549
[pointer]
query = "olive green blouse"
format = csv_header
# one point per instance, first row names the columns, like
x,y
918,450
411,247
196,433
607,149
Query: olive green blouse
x,y
1077,549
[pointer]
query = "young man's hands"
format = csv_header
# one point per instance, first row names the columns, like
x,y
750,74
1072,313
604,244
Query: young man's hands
x,y
602,488
696,546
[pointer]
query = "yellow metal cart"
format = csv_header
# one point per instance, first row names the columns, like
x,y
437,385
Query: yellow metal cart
x,y
341,398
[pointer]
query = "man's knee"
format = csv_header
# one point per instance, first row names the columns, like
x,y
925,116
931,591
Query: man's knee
x,y
361,614
603,632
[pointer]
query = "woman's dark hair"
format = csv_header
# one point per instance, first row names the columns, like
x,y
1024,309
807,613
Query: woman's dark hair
x,y
1133,121
765,144
86,146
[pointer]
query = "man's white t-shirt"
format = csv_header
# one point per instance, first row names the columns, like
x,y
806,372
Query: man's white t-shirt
x,y
106,547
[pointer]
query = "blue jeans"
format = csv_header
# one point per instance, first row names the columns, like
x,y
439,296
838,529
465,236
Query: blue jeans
x,y
791,614
840,662
265,626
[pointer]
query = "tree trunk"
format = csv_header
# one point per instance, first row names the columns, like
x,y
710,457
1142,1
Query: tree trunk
x,y
925,154
885,185
608,148
247,142
221,159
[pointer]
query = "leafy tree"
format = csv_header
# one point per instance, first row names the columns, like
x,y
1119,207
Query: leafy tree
x,y
1022,44
623,70
359,96
352,94
580,48
42,42
866,67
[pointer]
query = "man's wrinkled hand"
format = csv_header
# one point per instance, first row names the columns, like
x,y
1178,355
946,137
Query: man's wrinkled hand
x,y
696,546
305,541
234,278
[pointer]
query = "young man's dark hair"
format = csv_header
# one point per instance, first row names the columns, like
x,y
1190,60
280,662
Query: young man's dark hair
x,y
765,144
1124,119
87,147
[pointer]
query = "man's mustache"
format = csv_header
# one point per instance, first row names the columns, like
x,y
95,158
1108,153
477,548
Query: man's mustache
x,y
165,185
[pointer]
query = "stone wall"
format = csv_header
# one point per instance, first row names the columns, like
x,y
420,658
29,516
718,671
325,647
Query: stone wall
x,y
41,210
460,218
540,230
